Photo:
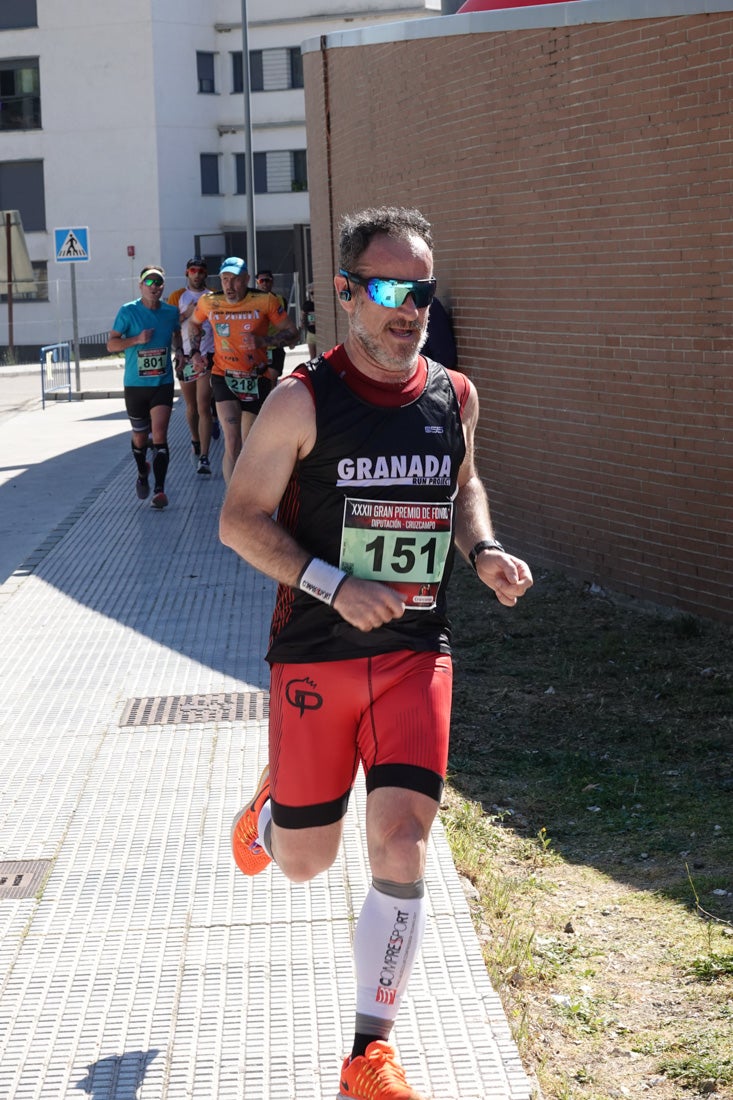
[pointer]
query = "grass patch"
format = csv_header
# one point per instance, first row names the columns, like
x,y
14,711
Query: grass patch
x,y
703,1068
588,804
712,967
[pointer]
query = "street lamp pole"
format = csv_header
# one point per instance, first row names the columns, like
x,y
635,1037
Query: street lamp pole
x,y
249,175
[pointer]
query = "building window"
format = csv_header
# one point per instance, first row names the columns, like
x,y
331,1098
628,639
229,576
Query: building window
x,y
256,79
21,13
296,68
210,174
40,274
299,170
205,72
269,70
21,189
240,174
237,73
280,170
259,168
37,292
20,94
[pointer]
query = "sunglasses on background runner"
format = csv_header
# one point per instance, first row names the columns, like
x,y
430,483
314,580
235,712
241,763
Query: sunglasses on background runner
x,y
392,293
197,270
153,280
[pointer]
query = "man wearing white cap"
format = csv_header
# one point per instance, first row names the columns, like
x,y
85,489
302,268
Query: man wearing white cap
x,y
146,330
241,319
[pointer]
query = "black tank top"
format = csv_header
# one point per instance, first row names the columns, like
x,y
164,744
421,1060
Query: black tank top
x,y
375,497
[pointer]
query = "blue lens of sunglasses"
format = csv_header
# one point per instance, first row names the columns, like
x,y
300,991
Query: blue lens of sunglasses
x,y
392,293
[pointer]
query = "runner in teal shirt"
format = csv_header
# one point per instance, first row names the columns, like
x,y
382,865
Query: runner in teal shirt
x,y
145,330
148,364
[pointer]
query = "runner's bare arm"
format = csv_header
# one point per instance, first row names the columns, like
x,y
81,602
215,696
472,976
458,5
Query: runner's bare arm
x,y
116,342
509,577
286,336
283,433
195,331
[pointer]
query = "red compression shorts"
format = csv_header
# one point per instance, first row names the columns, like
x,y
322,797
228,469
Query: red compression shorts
x,y
391,712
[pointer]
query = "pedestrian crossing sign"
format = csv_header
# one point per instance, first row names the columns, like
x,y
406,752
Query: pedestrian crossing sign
x,y
72,245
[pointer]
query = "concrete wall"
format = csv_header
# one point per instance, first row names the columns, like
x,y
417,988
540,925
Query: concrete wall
x,y
578,178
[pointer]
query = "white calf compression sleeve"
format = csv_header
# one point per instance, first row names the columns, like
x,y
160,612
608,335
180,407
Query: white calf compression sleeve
x,y
388,936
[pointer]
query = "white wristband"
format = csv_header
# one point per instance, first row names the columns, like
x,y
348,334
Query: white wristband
x,y
321,580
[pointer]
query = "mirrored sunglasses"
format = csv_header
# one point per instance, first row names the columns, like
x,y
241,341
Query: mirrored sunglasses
x,y
392,293
198,270
153,280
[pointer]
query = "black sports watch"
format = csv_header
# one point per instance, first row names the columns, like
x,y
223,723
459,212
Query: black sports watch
x,y
485,544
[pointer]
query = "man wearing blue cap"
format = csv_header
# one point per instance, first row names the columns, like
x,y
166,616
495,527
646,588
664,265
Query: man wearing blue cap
x,y
241,320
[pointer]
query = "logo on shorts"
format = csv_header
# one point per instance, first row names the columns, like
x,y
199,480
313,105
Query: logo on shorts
x,y
301,698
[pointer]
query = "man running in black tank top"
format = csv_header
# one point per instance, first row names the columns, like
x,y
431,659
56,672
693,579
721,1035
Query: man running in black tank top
x,y
366,456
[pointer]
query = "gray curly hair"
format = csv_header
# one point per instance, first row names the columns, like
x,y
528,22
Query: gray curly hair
x,y
357,230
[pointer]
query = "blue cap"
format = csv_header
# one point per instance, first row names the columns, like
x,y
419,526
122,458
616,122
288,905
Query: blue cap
x,y
233,265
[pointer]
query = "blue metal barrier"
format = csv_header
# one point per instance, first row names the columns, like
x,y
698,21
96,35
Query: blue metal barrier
x,y
55,370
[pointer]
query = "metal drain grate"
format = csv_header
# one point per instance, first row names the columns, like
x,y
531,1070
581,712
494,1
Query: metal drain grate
x,y
188,710
23,878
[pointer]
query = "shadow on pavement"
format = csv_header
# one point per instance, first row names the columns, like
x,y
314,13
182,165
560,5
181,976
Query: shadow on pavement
x,y
75,521
37,494
117,1077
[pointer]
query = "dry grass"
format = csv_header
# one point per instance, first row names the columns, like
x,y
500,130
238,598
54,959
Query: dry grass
x,y
590,805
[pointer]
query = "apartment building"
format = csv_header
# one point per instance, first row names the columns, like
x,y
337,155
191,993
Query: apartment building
x,y
128,121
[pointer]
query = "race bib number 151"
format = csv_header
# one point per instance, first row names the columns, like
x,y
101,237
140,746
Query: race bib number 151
x,y
402,544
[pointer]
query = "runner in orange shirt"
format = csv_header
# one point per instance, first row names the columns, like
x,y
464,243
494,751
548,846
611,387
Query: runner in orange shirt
x,y
240,319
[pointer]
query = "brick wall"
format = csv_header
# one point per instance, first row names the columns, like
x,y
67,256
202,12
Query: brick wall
x,y
579,185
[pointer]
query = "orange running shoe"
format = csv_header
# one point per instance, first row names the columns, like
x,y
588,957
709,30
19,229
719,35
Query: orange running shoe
x,y
375,1075
249,856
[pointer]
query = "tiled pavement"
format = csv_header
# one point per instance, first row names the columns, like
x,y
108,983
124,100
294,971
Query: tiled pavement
x,y
144,967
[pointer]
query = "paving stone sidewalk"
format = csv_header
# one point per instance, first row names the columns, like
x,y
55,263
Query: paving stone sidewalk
x,y
142,966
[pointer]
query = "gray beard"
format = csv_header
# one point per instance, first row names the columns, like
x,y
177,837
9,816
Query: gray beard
x,y
405,362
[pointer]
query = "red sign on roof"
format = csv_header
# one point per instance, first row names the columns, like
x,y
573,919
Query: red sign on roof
x,y
498,5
